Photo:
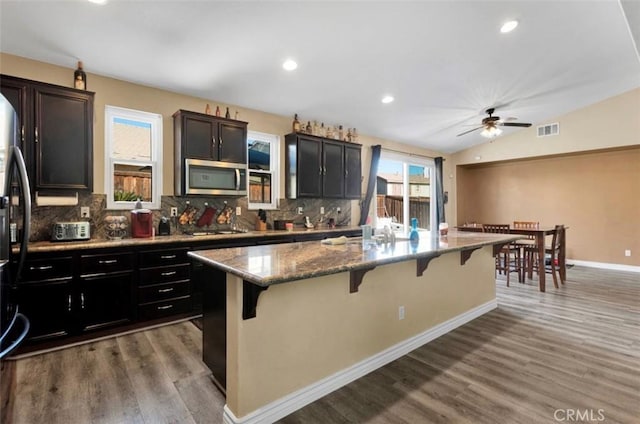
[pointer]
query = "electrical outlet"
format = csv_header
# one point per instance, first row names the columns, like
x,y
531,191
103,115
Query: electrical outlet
x,y
321,210
300,210
84,212
627,252
338,210
238,210
401,312
174,211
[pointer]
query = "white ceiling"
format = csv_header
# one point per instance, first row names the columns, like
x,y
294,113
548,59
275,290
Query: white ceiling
x,y
445,62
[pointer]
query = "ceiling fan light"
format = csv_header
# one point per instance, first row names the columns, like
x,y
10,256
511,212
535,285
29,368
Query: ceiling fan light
x,y
491,131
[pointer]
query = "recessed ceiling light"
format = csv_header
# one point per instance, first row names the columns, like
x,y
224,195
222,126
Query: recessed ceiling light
x,y
289,65
98,1
508,26
387,99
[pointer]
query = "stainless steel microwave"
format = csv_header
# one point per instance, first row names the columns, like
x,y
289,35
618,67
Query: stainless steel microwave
x,y
215,178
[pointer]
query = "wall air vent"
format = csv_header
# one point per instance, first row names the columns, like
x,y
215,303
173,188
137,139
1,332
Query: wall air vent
x,y
548,129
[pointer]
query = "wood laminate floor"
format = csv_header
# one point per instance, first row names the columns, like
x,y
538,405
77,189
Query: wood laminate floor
x,y
568,355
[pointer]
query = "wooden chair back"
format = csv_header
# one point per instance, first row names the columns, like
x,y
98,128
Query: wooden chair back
x,y
527,225
496,228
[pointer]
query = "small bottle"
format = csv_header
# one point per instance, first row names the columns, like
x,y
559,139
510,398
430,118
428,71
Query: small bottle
x,y
329,132
217,110
414,237
340,133
296,124
207,109
80,78
309,129
354,135
316,128
236,116
349,136
227,114
323,130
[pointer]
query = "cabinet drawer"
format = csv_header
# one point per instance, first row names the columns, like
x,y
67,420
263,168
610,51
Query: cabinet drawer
x,y
105,263
163,257
165,308
163,274
163,291
46,269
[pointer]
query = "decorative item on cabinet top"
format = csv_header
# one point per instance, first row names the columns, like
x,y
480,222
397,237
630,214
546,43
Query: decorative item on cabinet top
x,y
335,133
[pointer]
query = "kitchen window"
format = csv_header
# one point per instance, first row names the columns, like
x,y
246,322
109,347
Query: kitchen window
x,y
263,153
133,152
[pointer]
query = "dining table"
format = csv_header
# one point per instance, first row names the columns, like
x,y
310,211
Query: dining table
x,y
539,235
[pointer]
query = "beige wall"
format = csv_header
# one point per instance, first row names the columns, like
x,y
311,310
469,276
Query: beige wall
x,y
114,92
305,331
597,194
611,123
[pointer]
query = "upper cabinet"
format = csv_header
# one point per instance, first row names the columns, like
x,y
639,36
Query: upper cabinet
x,y
321,168
56,126
207,137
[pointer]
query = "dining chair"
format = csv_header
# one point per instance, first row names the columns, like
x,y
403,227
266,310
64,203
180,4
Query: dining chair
x,y
528,246
552,254
509,258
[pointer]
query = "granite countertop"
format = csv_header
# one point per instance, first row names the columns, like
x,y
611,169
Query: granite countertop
x,y
57,246
279,263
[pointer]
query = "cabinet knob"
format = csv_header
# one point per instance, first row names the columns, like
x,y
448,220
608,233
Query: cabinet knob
x,y
213,141
69,303
36,134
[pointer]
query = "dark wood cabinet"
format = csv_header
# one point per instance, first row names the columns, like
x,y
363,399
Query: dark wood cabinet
x,y
321,168
56,124
352,171
105,290
206,137
164,283
45,296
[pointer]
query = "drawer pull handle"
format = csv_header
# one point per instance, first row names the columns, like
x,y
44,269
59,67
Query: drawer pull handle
x,y
165,290
168,257
41,268
108,261
160,308
166,274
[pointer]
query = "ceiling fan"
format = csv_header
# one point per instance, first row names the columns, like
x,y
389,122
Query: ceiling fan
x,y
491,123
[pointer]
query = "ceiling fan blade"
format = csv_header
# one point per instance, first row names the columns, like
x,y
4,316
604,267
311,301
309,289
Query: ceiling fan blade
x,y
467,132
515,124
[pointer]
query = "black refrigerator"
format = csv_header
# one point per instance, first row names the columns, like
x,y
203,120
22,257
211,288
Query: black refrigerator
x,y
15,217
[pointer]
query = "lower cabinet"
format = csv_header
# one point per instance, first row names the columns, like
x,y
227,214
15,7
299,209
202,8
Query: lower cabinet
x,y
49,306
164,283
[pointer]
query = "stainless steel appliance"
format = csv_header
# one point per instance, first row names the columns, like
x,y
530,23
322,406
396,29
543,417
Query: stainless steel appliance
x,y
67,231
15,208
215,178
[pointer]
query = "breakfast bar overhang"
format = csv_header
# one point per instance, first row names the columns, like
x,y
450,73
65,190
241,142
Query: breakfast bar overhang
x,y
303,319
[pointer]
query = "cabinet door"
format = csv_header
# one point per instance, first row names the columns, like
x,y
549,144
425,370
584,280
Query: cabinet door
x,y
232,139
200,138
332,169
309,167
105,300
48,307
352,172
63,139
16,92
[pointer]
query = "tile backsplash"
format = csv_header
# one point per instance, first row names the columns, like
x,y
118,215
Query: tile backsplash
x,y
43,217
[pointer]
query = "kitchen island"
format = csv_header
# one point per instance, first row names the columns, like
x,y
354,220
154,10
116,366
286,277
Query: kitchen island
x,y
304,319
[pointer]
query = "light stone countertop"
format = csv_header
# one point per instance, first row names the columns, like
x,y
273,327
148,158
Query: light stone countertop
x,y
266,265
180,239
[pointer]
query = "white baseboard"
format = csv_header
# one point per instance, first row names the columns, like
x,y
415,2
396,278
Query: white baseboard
x,y
284,406
604,265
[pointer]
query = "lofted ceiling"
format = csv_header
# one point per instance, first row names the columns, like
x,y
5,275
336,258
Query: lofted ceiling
x,y
445,62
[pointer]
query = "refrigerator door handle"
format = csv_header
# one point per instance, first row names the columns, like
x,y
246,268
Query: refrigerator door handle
x,y
25,192
21,337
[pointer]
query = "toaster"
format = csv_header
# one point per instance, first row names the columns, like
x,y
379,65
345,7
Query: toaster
x,y
67,231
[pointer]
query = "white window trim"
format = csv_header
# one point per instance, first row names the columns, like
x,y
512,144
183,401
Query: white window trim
x,y
155,120
274,142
